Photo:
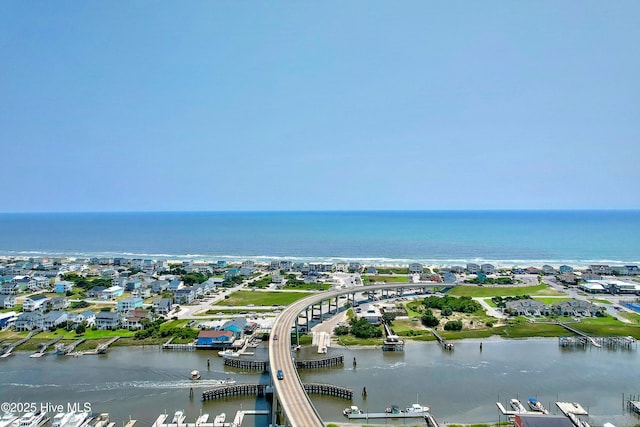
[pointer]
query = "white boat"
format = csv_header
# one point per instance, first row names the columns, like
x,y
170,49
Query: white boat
x,y
178,417
416,408
536,405
227,381
8,419
228,353
61,418
202,419
351,410
195,375
218,421
76,420
517,406
33,419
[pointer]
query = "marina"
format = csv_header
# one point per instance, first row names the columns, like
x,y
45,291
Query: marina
x,y
414,411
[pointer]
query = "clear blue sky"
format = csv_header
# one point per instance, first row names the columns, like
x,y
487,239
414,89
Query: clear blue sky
x,y
301,105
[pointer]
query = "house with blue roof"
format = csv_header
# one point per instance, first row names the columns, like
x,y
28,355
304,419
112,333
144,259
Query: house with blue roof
x,y
128,304
215,339
237,326
28,321
53,319
35,303
63,287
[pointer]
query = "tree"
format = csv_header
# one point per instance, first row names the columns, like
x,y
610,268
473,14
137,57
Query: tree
x,y
429,320
80,329
388,317
453,325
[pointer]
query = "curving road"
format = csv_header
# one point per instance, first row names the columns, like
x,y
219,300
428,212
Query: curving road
x,y
296,405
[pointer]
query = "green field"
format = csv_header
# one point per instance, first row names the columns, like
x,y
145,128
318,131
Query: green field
x,y
385,279
502,291
267,298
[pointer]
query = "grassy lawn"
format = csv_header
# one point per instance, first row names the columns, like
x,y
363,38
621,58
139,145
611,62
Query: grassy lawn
x,y
600,301
266,298
385,279
393,270
224,310
309,286
490,303
635,318
550,300
502,291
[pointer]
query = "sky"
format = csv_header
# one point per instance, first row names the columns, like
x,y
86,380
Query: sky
x,y
319,105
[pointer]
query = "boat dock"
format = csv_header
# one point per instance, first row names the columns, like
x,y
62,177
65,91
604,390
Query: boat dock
x,y
8,349
102,348
43,347
203,420
445,345
322,340
592,341
69,350
186,347
571,408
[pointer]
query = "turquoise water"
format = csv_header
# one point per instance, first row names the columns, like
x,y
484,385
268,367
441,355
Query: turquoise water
x,y
510,237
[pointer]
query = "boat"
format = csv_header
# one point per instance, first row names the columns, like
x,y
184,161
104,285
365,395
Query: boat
x,y
202,419
416,408
218,421
517,406
33,419
227,381
76,420
228,353
178,417
351,410
536,405
8,419
61,418
195,375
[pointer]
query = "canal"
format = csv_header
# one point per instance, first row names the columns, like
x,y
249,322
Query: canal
x,y
460,386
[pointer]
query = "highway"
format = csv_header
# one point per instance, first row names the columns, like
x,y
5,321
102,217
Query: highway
x,y
296,405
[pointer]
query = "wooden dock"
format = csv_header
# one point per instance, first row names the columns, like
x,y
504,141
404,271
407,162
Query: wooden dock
x,y
69,350
571,408
234,390
263,365
8,349
181,347
249,365
43,347
329,390
102,348
580,333
324,362
445,345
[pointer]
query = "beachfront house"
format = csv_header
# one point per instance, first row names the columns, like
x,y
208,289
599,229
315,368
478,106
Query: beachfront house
x,y
128,304
473,268
601,269
7,301
53,319
488,268
28,321
108,320
231,273
448,277
35,303
246,271
548,269
355,267
565,269
215,339
162,306
415,268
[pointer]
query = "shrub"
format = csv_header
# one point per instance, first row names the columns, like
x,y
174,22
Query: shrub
x,y
453,325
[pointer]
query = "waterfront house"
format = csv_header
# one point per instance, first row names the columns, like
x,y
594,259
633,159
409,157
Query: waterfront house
x,y
568,278
574,307
88,317
35,303
221,264
108,320
7,301
237,326
473,268
532,270
274,265
28,321
128,304
355,267
63,286
633,270
248,264
415,268
162,306
184,296
488,268
517,270
601,269
565,269
215,339
548,269
134,319
527,307
372,315
371,270
53,319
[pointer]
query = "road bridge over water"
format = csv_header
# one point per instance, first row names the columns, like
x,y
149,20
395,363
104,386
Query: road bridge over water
x,y
290,399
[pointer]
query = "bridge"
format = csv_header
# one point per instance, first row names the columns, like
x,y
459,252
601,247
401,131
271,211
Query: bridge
x,y
290,397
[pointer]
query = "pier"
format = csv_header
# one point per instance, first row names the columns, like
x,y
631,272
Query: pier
x,y
392,342
259,391
8,349
43,347
445,345
65,350
249,365
102,348
325,362
613,342
263,366
203,420
580,333
329,390
183,347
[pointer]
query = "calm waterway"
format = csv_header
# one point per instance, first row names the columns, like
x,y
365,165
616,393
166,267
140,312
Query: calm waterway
x,y
461,386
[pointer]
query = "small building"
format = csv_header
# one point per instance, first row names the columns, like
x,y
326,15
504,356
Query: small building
x,y
215,339
237,326
372,315
162,306
108,320
128,304
541,420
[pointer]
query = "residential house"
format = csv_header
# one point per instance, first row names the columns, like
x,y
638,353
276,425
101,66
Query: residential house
x,y
162,306
184,295
448,277
568,278
7,319
517,270
574,307
9,288
248,264
28,321
134,319
633,270
619,270
473,268
53,319
527,307
7,301
415,268
532,270
548,269
159,286
246,271
342,267
128,304
87,317
321,267
237,326
565,269
488,268
277,278
35,303
95,292
231,273
221,264
215,339
141,293
372,315
371,270
175,285
57,303
132,285
108,320
274,265
601,269
457,269
63,286
355,267
112,292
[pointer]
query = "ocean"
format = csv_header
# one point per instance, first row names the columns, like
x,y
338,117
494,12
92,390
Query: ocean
x,y
374,237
